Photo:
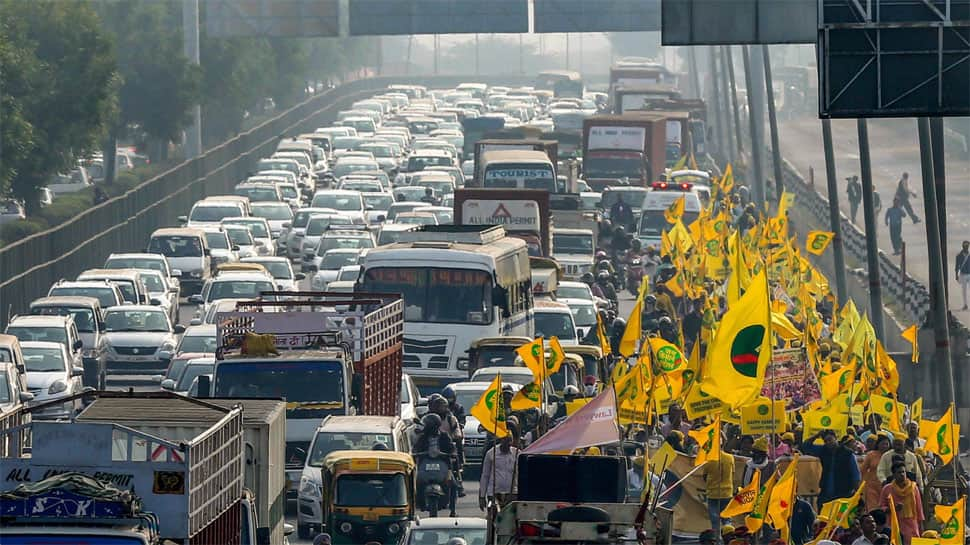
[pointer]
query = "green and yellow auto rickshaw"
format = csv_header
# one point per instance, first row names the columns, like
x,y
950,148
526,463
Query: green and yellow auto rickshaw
x,y
594,363
368,495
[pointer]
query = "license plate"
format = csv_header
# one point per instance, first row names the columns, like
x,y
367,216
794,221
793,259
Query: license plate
x,y
432,467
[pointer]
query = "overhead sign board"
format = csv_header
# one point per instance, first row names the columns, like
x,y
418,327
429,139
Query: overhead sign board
x,y
272,18
596,16
727,22
394,17
894,58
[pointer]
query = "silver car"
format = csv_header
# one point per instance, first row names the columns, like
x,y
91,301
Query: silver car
x,y
51,377
135,335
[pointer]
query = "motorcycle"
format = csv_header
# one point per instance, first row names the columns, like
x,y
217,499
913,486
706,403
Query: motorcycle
x,y
435,481
634,275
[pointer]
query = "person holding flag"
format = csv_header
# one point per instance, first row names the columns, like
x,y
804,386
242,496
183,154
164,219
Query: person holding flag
x,y
497,482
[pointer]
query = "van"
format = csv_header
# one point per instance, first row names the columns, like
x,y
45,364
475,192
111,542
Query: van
x,y
521,169
652,219
186,250
89,320
13,375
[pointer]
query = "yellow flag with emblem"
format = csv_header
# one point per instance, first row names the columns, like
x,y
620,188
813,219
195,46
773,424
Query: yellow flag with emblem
x,y
556,356
527,397
916,411
817,241
675,211
837,382
534,355
941,436
895,534
709,442
740,275
828,418
490,409
727,180
952,518
743,502
782,499
911,334
633,331
601,335
667,357
756,519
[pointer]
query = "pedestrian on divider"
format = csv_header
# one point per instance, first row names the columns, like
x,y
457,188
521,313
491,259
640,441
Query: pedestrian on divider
x,y
903,193
854,191
963,271
894,219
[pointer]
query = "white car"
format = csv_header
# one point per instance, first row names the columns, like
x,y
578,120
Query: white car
x,y
135,335
161,291
584,314
468,394
338,238
330,265
276,214
50,377
377,205
348,203
555,319
281,269
232,285
291,239
317,225
242,240
510,375
189,372
260,230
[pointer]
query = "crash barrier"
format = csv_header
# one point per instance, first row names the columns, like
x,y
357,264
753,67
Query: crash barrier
x,y
28,267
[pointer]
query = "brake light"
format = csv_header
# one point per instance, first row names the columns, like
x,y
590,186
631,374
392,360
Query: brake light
x,y
529,530
685,186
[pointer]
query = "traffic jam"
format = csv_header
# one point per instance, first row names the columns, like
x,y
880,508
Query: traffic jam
x,y
465,316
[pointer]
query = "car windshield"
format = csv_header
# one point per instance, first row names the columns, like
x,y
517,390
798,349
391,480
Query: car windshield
x,y
213,212
135,263
135,320
270,164
346,142
106,296
239,289
240,236
257,228
337,201
217,240
176,246
44,360
279,269
441,187
583,315
590,202
296,381
416,220
288,191
377,490
436,295
52,334
334,260
353,243
378,202
5,390
488,375
197,343
554,324
258,194
153,282
572,244
422,536
83,317
275,212
573,292
634,199
377,150
326,442
189,374
419,162
319,224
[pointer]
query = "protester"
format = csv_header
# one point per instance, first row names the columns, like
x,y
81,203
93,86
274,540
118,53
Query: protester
x,y
719,480
894,219
854,192
498,473
963,271
903,193
759,461
802,522
840,472
910,462
868,528
905,494
869,472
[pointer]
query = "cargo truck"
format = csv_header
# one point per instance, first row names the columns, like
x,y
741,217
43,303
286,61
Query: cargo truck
x,y
336,353
96,481
524,213
635,98
698,118
623,149
549,147
639,75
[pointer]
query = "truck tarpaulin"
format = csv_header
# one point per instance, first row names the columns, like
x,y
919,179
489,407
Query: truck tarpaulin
x,y
616,138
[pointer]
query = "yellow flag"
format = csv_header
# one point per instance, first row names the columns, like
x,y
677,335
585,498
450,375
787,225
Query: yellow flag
x,y
490,409
895,534
782,326
883,406
527,397
675,211
829,418
667,356
727,180
674,285
952,517
842,512
709,440
740,276
887,369
601,334
756,519
743,502
534,356
633,331
680,164
837,382
556,356
910,334
941,436
783,496
662,459
916,411
817,241
741,350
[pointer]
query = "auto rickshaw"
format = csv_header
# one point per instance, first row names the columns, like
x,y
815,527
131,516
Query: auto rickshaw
x,y
493,352
368,495
594,363
570,373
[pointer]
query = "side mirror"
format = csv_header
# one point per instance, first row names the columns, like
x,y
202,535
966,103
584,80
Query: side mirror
x,y
164,355
156,302
369,207
286,225
179,329
183,219
195,321
77,344
235,247
176,273
26,397
168,384
422,402
299,276
157,379
288,529
205,385
195,299
77,371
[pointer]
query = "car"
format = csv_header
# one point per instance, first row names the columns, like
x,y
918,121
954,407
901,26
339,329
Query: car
x,y
291,239
89,321
337,238
234,285
412,404
341,433
59,329
221,249
11,210
128,280
440,530
584,314
198,341
317,226
281,269
275,214
444,214
348,164
409,193
259,191
330,264
157,262
13,376
159,290
555,319
51,377
72,182
377,205
391,232
362,186
192,369
260,231
441,182
348,203
416,218
187,251
107,293
242,240
405,206
136,336
510,375
468,394
211,211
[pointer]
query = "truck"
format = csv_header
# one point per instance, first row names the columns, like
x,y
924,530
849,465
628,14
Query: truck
x,y
335,353
550,147
628,98
524,213
630,147
698,117
589,508
103,480
639,75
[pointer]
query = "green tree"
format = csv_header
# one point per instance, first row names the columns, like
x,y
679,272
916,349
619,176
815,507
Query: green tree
x,y
18,74
63,69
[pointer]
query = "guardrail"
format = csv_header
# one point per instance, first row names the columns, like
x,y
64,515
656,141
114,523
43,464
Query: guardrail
x,y
29,267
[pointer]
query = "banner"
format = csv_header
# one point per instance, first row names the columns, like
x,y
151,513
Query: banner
x,y
790,377
592,424
763,417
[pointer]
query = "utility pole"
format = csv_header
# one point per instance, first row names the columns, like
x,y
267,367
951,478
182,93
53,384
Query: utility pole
x,y
835,217
939,176
756,181
567,51
772,122
727,56
938,310
719,116
872,244
407,61
722,86
436,38
695,77
477,66
190,37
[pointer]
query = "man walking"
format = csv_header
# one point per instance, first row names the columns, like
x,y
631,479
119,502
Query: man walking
x,y
854,191
963,270
498,473
903,193
894,219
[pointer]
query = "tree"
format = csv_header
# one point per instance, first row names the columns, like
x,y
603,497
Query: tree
x,y
64,70
18,70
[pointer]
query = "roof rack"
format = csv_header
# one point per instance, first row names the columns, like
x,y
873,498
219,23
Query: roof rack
x,y
464,234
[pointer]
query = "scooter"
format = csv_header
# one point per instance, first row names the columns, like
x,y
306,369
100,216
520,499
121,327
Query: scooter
x,y
435,481
634,275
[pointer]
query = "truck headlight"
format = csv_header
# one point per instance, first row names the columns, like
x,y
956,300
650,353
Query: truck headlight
x,y
462,364
57,387
308,488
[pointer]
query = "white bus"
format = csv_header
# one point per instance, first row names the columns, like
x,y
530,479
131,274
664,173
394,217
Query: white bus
x,y
459,283
522,169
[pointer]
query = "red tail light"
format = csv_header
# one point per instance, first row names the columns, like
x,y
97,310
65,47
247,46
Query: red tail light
x,y
529,530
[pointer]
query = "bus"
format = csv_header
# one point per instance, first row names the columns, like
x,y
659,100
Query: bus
x,y
516,168
562,83
460,283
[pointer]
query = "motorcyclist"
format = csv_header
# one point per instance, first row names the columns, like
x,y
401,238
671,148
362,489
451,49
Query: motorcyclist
x,y
456,408
668,331
603,281
665,271
620,242
620,213
616,334
651,315
650,261
569,394
433,436
590,281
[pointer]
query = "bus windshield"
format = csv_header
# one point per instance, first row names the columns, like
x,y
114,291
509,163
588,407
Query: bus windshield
x,y
296,381
526,176
436,295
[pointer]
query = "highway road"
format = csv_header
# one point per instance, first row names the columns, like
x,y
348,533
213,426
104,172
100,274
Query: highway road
x,y
894,149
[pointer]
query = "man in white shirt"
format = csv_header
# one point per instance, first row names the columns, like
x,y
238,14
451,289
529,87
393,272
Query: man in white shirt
x,y
498,473
884,469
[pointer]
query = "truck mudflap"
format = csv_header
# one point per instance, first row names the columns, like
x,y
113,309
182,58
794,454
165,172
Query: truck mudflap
x,y
556,522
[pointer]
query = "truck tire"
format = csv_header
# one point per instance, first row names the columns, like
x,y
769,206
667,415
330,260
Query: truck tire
x,y
304,531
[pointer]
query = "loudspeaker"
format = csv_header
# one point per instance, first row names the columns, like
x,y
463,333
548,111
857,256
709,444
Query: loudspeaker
x,y
572,479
